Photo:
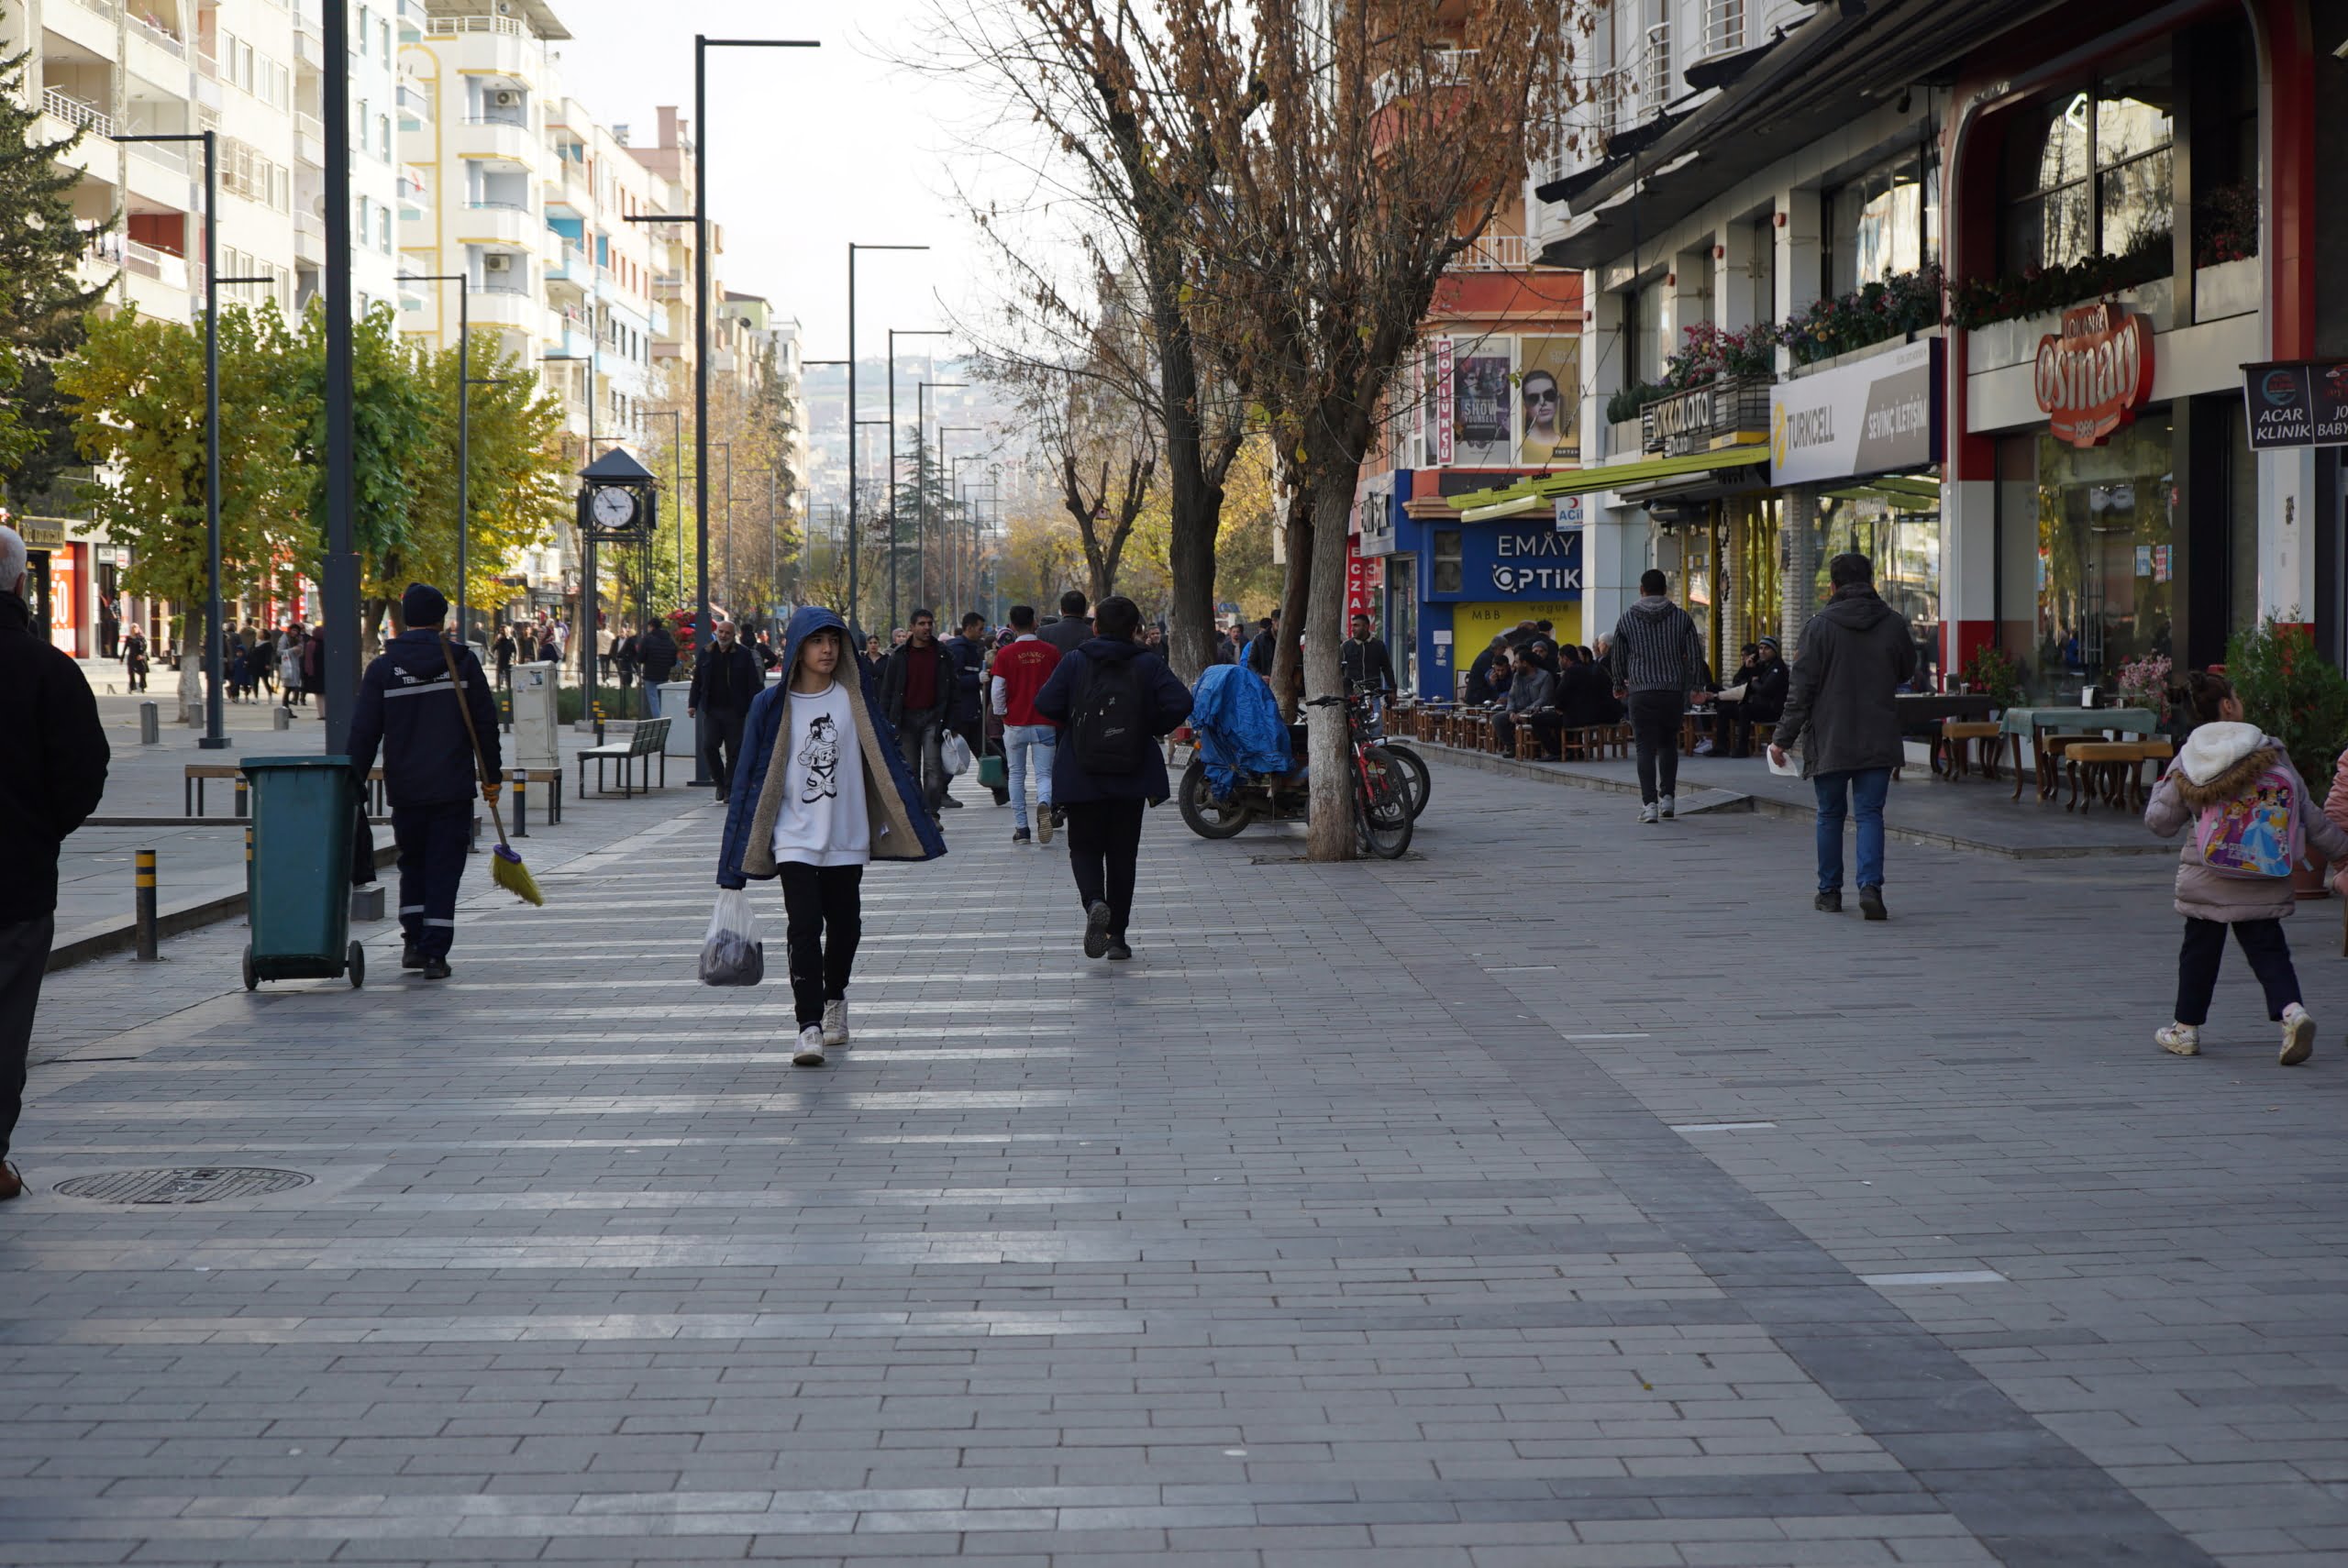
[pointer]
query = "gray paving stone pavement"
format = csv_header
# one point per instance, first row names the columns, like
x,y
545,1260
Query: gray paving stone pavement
x,y
1569,1195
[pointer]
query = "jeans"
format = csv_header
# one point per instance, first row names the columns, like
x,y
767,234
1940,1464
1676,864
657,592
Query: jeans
x,y
822,920
1859,789
1103,843
24,956
2262,942
1026,745
433,840
918,743
652,698
1655,727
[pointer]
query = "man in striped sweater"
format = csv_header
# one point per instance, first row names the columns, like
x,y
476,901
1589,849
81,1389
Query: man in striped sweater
x,y
1656,659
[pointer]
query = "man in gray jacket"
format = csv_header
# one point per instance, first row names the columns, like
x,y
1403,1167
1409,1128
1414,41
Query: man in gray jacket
x,y
1656,659
1843,712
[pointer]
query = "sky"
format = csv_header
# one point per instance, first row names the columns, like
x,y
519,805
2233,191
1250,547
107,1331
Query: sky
x,y
809,149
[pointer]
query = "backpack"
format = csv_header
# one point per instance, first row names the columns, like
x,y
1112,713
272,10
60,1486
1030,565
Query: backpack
x,y
2253,834
1106,725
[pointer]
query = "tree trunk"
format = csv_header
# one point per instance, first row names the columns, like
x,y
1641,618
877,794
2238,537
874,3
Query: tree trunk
x,y
1196,518
1330,835
1295,603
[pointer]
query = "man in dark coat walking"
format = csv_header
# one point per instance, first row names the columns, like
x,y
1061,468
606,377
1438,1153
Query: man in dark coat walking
x,y
1073,626
407,705
966,717
917,684
53,757
1101,804
1842,710
725,680
656,652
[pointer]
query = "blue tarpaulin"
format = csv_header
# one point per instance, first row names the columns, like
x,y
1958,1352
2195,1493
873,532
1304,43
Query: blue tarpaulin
x,y
1238,727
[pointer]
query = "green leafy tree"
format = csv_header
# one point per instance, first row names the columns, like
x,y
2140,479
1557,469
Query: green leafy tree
x,y
136,389
42,297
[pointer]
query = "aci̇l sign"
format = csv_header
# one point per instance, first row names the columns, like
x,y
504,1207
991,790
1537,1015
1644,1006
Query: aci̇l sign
x,y
2093,378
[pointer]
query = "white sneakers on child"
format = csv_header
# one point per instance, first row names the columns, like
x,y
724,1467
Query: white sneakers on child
x,y
2298,1036
809,1053
836,1022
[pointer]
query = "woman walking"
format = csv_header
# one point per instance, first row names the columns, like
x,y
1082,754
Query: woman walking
x,y
820,790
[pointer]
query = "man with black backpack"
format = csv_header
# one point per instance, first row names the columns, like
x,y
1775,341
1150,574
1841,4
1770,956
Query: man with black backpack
x,y
1113,699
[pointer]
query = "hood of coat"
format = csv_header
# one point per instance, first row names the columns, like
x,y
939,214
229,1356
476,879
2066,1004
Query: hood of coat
x,y
2221,761
1861,611
1652,604
1110,649
804,622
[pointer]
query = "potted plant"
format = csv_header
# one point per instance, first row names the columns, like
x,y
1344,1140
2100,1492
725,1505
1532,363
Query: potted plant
x,y
1991,669
2143,683
2292,693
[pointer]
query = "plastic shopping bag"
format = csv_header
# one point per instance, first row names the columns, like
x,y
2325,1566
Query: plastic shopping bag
x,y
955,752
732,954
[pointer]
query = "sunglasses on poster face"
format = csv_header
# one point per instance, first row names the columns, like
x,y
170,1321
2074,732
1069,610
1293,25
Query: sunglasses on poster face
x,y
1548,397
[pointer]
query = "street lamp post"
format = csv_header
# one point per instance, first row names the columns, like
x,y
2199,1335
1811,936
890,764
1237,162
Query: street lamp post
x,y
895,333
969,559
464,419
215,720
852,487
921,478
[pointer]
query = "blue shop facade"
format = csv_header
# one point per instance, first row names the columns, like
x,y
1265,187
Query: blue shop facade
x,y
1445,587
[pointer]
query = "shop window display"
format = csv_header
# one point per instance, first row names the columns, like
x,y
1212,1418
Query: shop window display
x,y
2109,538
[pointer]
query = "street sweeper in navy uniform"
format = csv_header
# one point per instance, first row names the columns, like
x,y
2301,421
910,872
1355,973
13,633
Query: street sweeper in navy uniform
x,y
408,706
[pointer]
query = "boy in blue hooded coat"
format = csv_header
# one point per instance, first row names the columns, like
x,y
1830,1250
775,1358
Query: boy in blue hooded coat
x,y
821,789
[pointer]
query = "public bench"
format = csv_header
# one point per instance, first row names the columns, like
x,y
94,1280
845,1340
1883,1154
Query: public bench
x,y
645,739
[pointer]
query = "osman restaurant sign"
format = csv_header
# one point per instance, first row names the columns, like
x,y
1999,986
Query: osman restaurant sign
x,y
2093,378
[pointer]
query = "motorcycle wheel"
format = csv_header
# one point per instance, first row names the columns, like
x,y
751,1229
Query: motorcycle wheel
x,y
1205,815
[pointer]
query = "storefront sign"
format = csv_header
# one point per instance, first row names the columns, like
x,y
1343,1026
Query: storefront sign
x,y
41,533
1678,423
1536,562
1377,513
1443,400
2297,403
2093,378
1878,417
1569,513
1361,587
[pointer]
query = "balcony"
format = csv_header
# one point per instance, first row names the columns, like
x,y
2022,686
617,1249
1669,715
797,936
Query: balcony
x,y
309,140
162,174
1726,27
1496,253
502,223
1657,87
73,112
414,107
309,45
309,238
1444,68
504,139
89,23
671,286
502,301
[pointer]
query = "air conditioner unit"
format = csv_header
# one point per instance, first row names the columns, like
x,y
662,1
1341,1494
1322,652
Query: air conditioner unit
x,y
505,98
497,261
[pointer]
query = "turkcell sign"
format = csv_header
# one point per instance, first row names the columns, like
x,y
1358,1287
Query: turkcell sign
x,y
2297,403
1878,417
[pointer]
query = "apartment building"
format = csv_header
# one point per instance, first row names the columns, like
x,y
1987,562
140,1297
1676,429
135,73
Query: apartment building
x,y
248,71
523,195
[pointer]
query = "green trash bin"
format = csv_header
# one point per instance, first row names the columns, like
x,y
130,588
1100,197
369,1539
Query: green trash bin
x,y
297,874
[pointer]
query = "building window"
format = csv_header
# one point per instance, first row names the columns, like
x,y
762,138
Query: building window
x,y
384,135
1447,574
2091,172
383,230
1885,221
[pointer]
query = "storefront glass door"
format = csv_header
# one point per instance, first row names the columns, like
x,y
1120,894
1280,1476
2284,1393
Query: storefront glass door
x,y
2109,538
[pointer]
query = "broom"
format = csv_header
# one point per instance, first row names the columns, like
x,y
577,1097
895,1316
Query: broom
x,y
505,867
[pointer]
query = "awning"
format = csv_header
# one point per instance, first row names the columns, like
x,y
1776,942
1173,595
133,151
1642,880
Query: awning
x,y
1478,504
1519,506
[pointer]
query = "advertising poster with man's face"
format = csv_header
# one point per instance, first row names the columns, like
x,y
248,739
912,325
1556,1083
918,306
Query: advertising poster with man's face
x,y
1481,419
1549,394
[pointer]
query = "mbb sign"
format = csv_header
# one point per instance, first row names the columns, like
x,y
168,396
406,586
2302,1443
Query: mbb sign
x,y
2093,378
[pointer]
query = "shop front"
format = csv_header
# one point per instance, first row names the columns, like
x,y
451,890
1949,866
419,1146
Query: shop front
x,y
53,581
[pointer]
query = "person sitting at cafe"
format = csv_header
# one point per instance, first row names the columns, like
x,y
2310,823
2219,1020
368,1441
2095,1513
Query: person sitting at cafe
x,y
1532,700
1762,704
1487,676
1585,699
1731,733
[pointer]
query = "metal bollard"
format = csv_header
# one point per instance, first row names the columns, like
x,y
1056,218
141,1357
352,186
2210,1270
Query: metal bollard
x,y
521,803
242,808
151,725
144,882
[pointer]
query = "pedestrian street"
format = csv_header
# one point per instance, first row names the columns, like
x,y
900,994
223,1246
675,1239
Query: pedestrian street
x,y
1568,1193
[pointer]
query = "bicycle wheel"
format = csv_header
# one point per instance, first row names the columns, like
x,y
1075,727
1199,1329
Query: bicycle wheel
x,y
1382,806
1417,781
1202,814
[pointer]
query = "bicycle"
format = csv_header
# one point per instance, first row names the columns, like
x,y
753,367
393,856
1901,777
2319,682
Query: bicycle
x,y
1418,782
1382,815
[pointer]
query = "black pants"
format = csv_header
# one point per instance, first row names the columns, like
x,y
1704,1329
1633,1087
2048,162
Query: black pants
x,y
23,955
721,745
1545,728
1655,727
2263,943
822,920
1104,841
432,842
1732,730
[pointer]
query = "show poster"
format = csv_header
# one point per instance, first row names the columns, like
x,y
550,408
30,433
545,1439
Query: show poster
x,y
1548,394
1480,419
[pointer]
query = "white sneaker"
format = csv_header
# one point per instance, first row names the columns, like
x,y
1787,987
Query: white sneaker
x,y
1046,821
2179,1039
2298,1036
1650,812
809,1053
1670,807
835,1023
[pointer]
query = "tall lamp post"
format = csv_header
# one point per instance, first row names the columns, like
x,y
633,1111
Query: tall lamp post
x,y
921,477
214,714
969,557
464,418
852,422
895,333
339,585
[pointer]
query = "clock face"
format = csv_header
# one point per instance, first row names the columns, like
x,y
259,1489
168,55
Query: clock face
x,y
613,507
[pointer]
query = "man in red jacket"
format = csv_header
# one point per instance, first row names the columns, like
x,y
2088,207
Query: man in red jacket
x,y
1020,668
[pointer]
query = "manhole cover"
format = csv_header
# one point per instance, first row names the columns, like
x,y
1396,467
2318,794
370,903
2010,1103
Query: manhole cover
x,y
190,1183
